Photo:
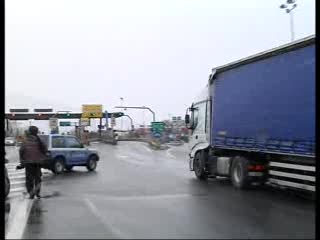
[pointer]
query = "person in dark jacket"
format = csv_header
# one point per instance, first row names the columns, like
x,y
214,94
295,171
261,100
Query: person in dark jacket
x,y
32,156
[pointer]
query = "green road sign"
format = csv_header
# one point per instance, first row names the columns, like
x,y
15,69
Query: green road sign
x,y
157,127
64,124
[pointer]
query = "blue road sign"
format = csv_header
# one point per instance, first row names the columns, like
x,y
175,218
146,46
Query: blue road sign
x,y
157,134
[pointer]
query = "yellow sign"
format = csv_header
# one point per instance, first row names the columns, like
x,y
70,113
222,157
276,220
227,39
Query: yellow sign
x,y
92,111
91,115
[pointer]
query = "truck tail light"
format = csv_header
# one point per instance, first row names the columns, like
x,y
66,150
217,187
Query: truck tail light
x,y
256,168
251,167
260,167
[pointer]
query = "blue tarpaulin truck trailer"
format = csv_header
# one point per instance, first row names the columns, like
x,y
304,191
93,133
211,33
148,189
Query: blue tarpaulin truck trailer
x,y
255,120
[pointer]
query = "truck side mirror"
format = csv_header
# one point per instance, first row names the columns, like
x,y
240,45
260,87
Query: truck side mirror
x,y
187,119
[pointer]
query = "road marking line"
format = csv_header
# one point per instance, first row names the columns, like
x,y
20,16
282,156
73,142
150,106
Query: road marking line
x,y
18,189
14,194
147,148
123,156
134,162
169,154
146,197
115,231
11,177
18,222
17,182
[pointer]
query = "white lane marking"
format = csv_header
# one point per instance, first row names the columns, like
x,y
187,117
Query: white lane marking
x,y
18,222
17,182
146,197
15,194
123,156
18,189
13,177
169,154
146,148
110,227
13,167
134,162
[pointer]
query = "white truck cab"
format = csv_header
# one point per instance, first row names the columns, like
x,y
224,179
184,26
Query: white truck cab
x,y
198,120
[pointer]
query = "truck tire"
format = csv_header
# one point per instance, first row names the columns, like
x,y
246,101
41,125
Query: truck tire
x,y
198,166
239,172
58,166
92,163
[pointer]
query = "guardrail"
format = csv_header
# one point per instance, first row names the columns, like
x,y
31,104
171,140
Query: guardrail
x,y
153,144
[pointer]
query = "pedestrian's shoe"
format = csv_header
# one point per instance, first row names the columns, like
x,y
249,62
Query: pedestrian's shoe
x,y
31,196
38,195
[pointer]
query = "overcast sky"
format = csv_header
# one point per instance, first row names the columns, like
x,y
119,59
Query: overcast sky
x,y
65,53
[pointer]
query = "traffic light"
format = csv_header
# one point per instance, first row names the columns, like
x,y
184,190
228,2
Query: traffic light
x,y
116,115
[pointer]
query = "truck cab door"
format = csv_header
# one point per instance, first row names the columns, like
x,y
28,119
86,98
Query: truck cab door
x,y
199,116
199,135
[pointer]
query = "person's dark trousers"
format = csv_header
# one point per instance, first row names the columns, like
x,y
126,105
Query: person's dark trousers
x,y
33,179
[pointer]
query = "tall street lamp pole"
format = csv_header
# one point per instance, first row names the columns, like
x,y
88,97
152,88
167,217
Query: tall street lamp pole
x,y
130,120
121,99
289,7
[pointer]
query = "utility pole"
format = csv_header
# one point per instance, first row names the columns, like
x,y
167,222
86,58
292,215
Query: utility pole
x,y
121,98
130,120
289,7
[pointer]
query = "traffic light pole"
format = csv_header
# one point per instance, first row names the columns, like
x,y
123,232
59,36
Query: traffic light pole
x,y
130,120
143,107
7,124
100,128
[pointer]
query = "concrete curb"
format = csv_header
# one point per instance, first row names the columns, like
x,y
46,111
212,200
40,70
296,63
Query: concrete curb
x,y
153,145
18,222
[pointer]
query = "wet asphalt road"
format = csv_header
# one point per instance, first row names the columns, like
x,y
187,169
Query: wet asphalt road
x,y
140,193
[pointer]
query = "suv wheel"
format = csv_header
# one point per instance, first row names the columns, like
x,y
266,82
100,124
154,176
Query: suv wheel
x,y
58,166
92,163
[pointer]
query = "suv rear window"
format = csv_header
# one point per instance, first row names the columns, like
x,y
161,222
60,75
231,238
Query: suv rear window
x,y
58,142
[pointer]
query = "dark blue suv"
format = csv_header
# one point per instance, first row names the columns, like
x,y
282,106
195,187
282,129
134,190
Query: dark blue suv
x,y
65,151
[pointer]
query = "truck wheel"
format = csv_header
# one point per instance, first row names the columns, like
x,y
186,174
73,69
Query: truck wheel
x,y
239,172
198,166
58,166
92,163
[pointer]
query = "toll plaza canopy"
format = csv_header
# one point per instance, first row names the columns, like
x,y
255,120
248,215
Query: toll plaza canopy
x,y
47,116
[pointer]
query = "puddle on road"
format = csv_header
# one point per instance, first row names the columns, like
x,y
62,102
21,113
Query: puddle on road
x,y
50,195
36,212
38,209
